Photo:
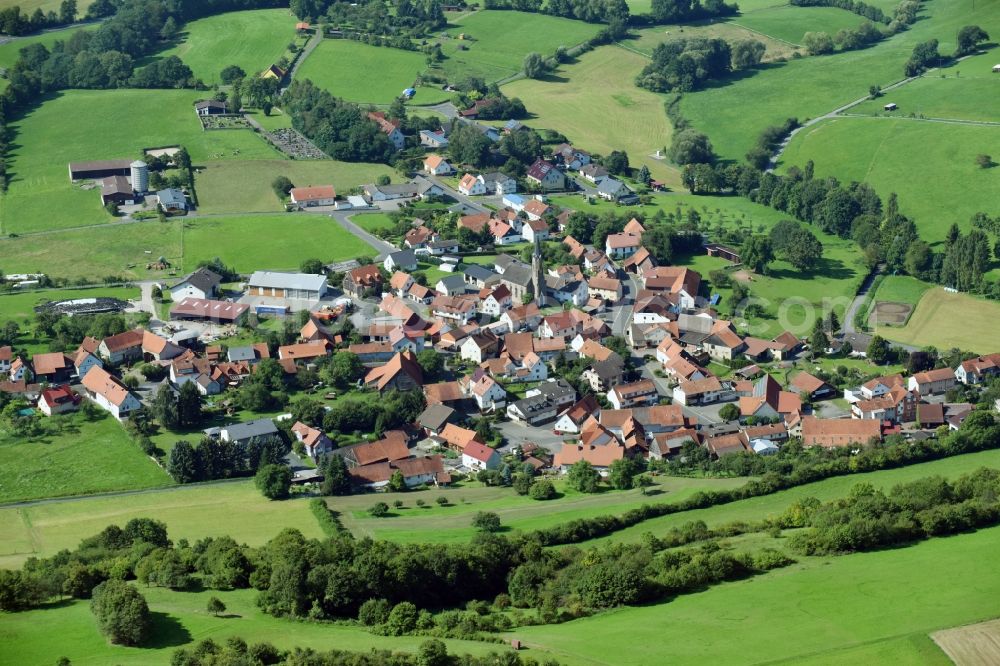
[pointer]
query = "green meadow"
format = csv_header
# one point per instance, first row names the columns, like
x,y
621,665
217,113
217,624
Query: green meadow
x,y
190,512
969,91
790,23
290,238
496,42
646,39
76,457
10,51
359,72
180,620
620,115
81,125
901,289
19,306
252,40
946,320
734,112
930,165
245,187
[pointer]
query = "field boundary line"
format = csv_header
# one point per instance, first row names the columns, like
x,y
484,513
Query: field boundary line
x,y
764,34
947,121
647,56
36,546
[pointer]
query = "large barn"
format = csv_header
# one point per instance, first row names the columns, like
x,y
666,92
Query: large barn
x,y
99,169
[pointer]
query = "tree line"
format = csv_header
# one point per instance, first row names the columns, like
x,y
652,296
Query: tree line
x,y
683,65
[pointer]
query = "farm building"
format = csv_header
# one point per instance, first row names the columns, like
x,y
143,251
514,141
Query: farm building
x,y
202,283
99,169
273,72
307,197
210,107
117,189
723,251
890,107
287,285
218,311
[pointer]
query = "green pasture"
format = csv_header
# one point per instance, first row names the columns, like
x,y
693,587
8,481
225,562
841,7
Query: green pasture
x,y
191,512
371,222
930,165
19,306
596,104
947,320
180,620
277,119
275,242
733,112
82,125
74,457
646,39
252,40
453,523
496,42
245,187
866,608
359,72
901,289
973,94
10,51
790,23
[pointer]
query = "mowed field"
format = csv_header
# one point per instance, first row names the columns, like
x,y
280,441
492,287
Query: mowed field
x,y
648,38
29,6
453,523
191,512
179,619
497,41
790,23
251,39
360,72
972,645
969,91
19,307
597,105
245,187
10,51
947,320
734,112
82,457
275,242
901,289
86,125
930,165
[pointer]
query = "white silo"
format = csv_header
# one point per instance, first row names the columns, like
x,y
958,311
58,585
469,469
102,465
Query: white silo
x,y
140,176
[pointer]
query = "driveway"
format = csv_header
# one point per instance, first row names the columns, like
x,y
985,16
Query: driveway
x,y
381,247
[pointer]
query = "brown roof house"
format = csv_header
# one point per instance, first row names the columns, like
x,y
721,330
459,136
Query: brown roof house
x,y
401,373
109,393
361,279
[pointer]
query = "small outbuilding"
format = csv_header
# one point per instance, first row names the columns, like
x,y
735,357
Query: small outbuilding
x,y
890,106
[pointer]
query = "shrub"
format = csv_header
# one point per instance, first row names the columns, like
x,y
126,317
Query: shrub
x,y
543,489
379,509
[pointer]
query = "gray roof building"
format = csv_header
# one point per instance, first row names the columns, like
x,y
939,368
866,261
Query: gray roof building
x,y
237,354
435,417
242,432
289,281
203,279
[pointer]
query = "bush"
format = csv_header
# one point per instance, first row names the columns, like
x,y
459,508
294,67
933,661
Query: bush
x,y
543,489
274,481
373,612
379,509
486,521
121,612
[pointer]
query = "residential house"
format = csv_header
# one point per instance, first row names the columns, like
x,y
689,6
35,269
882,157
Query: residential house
x,y
594,173
433,140
401,373
392,447
400,283
475,222
401,260
451,285
556,391
535,229
620,246
536,209
497,183
522,317
532,410
478,456
479,347
415,472
435,418
457,437
109,393
155,348
488,393
568,157
304,352
977,370
359,280
58,400
559,325
311,197
123,348
480,277
699,391
503,233
202,283
471,186
495,301
602,375
600,457
436,165
545,176
767,401
6,356
932,382
389,127
612,189
572,420
419,237
813,388
899,405
634,394
315,442
51,368
605,289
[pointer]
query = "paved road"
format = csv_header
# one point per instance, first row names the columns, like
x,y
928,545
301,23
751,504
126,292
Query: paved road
x,y
858,301
381,247
623,312
446,109
306,51
457,196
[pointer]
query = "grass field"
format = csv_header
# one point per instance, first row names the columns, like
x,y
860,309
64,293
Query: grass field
x,y
20,306
180,620
245,187
789,23
453,523
55,133
792,299
290,238
809,87
820,611
948,187
973,94
10,51
252,40
190,512
901,289
597,105
972,645
29,6
348,69
82,457
950,320
648,38
373,221
497,41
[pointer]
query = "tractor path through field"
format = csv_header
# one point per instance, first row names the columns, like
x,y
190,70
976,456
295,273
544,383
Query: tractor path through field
x,y
840,111
947,121
859,300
